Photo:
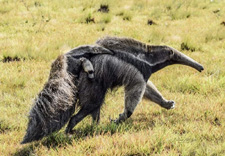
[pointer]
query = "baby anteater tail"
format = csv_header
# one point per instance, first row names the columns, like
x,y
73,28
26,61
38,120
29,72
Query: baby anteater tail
x,y
54,105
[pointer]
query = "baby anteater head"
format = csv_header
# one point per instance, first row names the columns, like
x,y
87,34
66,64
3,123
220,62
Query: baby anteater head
x,y
88,67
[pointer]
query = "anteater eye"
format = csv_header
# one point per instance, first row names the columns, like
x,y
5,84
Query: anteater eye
x,y
171,53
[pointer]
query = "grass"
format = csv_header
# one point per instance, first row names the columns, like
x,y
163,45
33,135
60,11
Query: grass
x,y
33,33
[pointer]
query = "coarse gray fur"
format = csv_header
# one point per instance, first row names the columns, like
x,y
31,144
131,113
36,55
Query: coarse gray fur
x,y
157,56
55,104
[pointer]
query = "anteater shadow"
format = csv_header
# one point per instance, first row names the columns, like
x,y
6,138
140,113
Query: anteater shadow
x,y
60,139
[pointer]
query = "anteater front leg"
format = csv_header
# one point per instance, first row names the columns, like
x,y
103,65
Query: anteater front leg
x,y
134,91
152,93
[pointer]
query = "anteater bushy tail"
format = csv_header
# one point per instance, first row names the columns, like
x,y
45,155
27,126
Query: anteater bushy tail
x,y
54,105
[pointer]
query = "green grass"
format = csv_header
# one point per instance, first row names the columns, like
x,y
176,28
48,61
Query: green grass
x,y
38,31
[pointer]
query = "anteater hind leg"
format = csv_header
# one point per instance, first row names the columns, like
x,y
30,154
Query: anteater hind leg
x,y
154,95
96,116
133,94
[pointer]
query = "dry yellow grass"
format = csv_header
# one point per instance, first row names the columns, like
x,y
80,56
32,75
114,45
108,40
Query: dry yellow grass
x,y
37,31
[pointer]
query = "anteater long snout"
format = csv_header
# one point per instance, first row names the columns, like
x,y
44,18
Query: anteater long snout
x,y
181,58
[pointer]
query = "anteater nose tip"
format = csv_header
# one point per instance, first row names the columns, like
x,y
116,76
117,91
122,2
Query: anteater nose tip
x,y
201,69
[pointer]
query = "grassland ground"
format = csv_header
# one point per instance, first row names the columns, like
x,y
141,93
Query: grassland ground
x,y
33,33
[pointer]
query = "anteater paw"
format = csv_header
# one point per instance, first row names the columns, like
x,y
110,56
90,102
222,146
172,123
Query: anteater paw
x,y
169,104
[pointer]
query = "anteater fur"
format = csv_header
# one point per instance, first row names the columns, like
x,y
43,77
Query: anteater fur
x,y
54,105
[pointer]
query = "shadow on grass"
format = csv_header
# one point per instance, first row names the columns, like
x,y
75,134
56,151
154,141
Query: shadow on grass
x,y
60,139
140,122
26,151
